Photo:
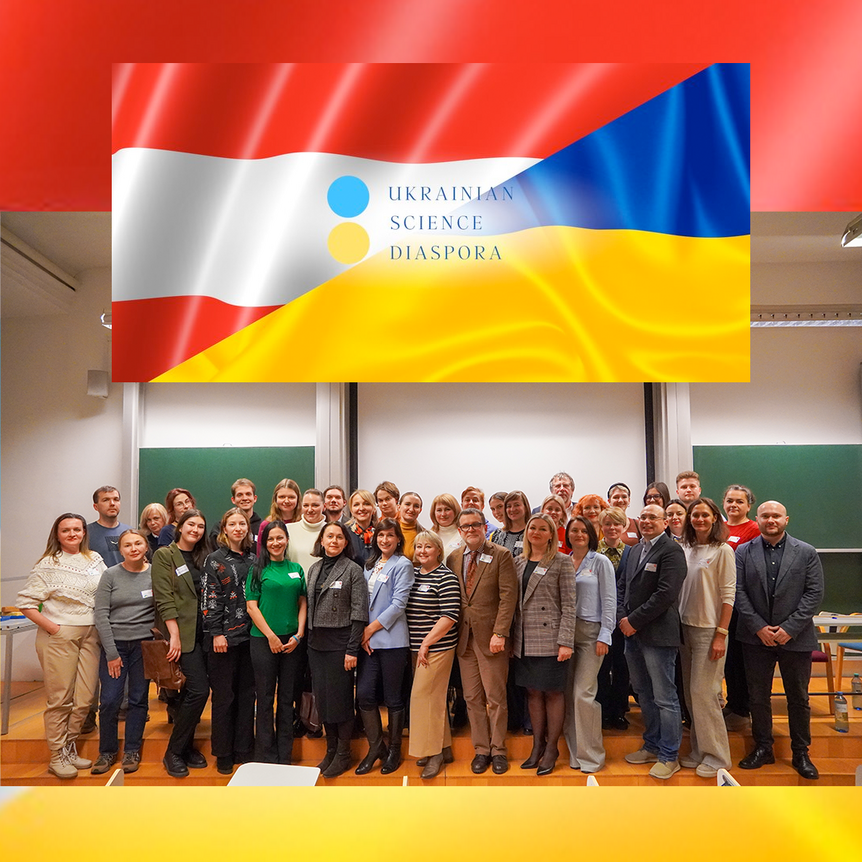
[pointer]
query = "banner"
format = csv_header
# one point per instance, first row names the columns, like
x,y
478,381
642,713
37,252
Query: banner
x,y
394,222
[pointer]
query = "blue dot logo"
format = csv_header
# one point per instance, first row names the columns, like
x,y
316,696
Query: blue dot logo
x,y
347,197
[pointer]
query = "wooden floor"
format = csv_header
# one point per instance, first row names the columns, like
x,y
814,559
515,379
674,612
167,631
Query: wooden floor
x,y
24,755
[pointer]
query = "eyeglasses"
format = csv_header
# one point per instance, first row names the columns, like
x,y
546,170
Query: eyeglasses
x,y
650,518
466,527
653,497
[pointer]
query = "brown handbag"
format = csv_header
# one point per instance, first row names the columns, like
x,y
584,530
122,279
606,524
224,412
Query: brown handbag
x,y
166,674
308,712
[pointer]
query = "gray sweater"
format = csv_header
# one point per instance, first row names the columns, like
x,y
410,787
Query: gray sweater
x,y
124,607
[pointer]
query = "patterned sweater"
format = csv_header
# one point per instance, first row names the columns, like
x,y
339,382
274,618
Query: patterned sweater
x,y
65,586
223,595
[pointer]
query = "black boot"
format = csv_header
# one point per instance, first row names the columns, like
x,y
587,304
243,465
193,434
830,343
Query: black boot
x,y
376,746
341,761
396,729
331,746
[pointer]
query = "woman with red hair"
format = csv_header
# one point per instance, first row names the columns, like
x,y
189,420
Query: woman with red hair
x,y
591,507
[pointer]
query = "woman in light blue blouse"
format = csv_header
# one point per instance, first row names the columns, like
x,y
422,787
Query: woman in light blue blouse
x,y
596,596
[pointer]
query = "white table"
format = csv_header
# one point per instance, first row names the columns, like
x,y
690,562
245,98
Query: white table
x,y
9,629
274,775
838,620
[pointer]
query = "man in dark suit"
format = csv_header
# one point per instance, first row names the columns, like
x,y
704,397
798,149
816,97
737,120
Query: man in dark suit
x,y
649,618
779,586
489,593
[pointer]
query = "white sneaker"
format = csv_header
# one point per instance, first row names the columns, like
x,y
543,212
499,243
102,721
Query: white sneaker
x,y
704,770
688,763
60,765
75,759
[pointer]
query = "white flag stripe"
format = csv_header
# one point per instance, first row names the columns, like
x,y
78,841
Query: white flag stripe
x,y
254,232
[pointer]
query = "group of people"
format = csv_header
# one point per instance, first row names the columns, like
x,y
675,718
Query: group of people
x,y
562,607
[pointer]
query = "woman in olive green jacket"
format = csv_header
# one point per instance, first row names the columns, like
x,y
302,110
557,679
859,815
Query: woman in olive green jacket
x,y
177,588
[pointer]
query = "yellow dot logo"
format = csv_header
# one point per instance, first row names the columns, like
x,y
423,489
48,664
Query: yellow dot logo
x,y
348,242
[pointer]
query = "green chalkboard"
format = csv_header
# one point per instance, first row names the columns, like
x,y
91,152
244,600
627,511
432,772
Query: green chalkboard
x,y
209,473
821,486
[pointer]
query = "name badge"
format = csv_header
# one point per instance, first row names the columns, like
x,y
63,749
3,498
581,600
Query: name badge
x,y
335,585
540,570
294,575
182,569
651,567
146,594
485,558
383,578
733,539
424,588
632,535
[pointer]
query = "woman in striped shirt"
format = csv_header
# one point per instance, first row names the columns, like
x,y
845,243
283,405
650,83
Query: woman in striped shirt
x,y
432,614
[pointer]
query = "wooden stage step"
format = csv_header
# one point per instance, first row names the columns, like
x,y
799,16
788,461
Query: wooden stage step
x,y
24,756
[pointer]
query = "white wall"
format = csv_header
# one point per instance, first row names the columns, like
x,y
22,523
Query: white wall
x,y
440,437
228,414
59,444
823,282
804,389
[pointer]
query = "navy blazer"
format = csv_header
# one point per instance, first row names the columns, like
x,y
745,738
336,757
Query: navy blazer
x,y
798,593
388,602
650,594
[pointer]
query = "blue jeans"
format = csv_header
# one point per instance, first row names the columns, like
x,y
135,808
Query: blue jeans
x,y
112,698
652,669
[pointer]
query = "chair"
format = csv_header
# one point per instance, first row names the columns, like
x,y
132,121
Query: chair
x,y
854,648
724,779
825,655
274,775
117,779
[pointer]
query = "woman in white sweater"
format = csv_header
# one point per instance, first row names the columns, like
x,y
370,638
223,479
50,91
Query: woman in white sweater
x,y
444,516
705,606
304,533
64,583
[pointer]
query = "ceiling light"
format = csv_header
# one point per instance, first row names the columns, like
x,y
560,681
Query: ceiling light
x,y
853,233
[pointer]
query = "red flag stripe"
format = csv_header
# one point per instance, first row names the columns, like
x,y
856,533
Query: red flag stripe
x,y
162,335
400,113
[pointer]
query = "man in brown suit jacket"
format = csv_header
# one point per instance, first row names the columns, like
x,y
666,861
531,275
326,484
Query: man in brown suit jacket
x,y
489,594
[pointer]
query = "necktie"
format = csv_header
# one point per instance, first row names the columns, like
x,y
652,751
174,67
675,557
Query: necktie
x,y
471,572
644,550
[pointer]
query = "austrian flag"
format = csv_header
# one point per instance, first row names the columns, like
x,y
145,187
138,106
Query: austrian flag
x,y
303,222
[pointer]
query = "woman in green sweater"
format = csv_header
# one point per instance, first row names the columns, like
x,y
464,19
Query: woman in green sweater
x,y
276,602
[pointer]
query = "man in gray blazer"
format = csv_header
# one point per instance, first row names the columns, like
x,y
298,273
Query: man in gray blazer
x,y
779,586
648,608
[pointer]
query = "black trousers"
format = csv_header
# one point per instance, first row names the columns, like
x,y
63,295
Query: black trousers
x,y
275,672
795,668
232,682
613,691
734,670
388,667
191,702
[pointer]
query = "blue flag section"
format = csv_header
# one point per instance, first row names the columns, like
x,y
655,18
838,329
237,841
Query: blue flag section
x,y
678,165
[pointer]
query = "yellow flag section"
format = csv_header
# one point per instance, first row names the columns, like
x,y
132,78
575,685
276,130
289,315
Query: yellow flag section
x,y
460,824
560,304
